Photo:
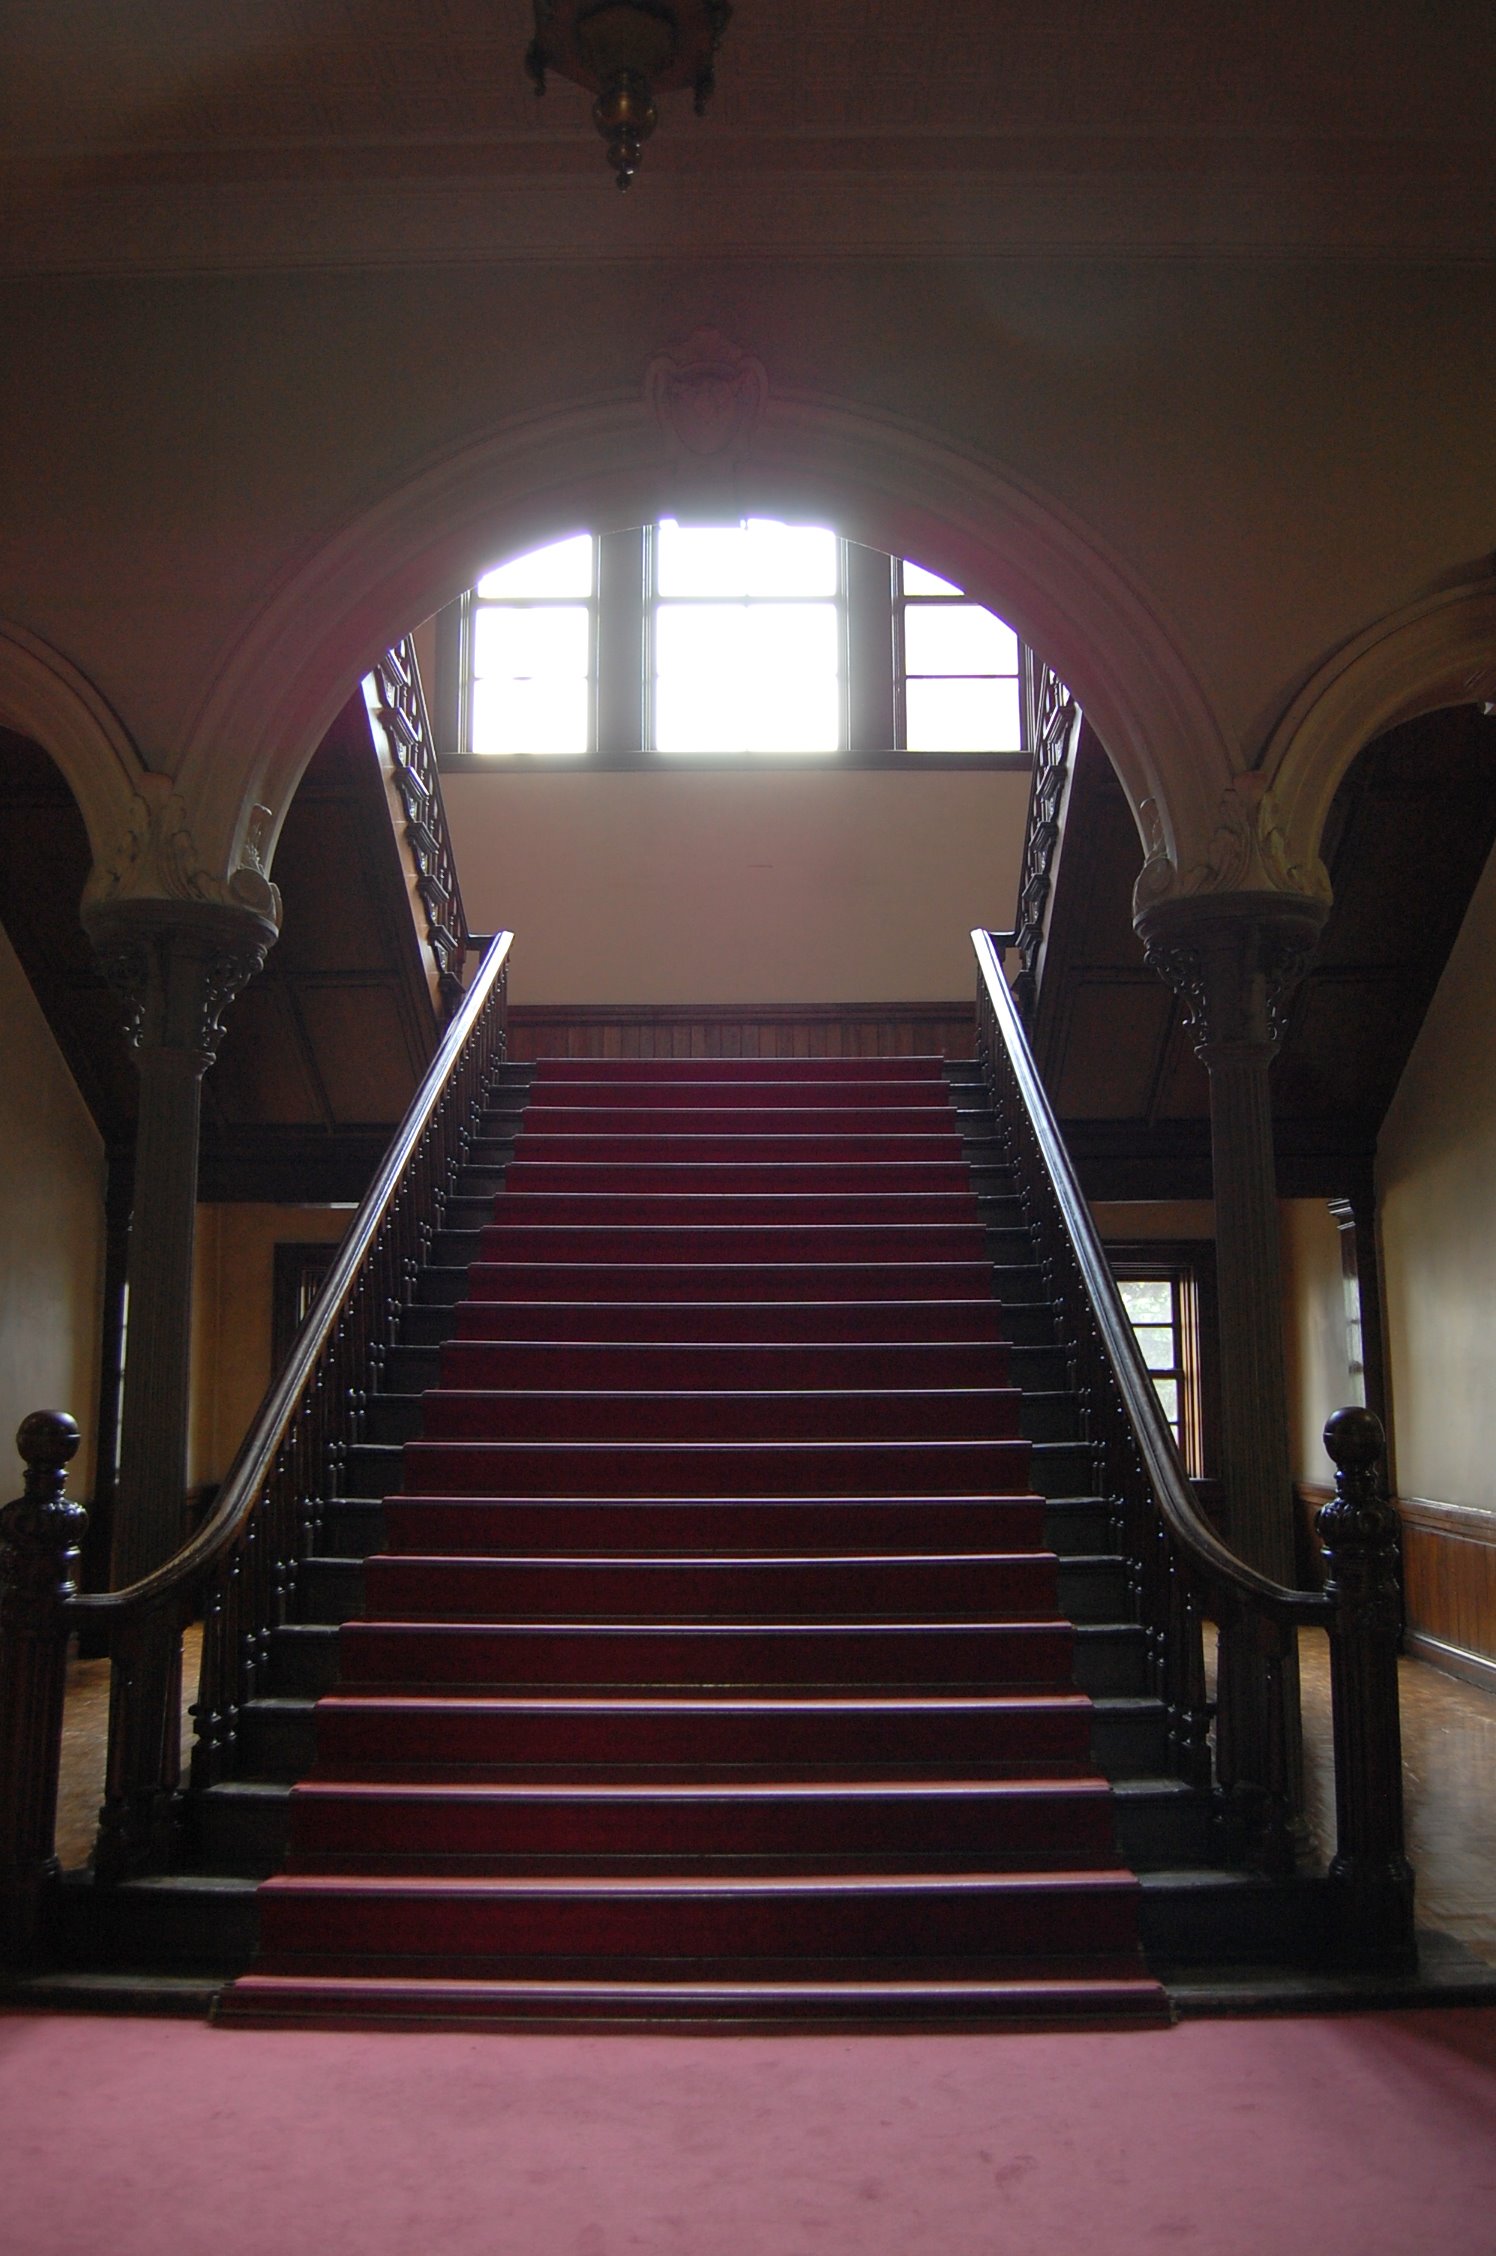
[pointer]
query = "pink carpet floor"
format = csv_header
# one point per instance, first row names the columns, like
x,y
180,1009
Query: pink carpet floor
x,y
1364,2134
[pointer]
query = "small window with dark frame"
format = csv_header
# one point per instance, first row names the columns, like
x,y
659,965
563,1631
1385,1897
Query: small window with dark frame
x,y
1162,1304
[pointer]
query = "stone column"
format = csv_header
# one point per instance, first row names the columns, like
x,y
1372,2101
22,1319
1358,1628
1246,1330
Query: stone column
x,y
1235,959
176,965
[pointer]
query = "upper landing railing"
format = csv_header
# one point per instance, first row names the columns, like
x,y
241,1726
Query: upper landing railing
x,y
397,703
1181,1574
240,1570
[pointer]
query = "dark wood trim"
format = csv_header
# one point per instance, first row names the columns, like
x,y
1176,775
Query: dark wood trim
x,y
289,1166
606,1030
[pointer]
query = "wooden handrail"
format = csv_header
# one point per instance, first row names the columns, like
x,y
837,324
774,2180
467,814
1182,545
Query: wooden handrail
x,y
243,1565
1213,1560
1179,1569
236,1499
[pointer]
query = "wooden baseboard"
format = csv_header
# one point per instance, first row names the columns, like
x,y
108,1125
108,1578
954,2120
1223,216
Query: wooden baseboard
x,y
1470,1668
645,1030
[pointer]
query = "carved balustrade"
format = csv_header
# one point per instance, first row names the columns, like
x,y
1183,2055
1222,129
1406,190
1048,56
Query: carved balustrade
x,y
1181,1575
399,703
240,1570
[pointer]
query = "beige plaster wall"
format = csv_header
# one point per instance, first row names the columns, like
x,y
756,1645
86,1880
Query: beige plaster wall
x,y
1314,1334
1275,451
1437,1185
231,1327
51,1234
792,886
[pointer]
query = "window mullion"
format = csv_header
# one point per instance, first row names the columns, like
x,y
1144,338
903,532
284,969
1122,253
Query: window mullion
x,y
869,651
620,647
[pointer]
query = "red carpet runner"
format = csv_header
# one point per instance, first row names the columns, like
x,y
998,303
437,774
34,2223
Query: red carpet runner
x,y
713,1670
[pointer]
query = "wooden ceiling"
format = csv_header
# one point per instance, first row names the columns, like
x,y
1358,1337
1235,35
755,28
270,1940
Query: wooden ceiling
x,y
1407,838
322,1051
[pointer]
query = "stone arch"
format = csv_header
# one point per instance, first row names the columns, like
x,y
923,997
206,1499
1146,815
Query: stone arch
x,y
1438,651
610,465
45,697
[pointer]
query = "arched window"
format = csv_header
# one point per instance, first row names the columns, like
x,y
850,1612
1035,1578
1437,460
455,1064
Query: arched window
x,y
710,644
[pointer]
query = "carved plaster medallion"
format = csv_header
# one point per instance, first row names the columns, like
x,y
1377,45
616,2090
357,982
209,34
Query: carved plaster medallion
x,y
707,394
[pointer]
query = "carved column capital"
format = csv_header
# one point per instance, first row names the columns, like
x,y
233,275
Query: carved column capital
x,y
1235,960
176,966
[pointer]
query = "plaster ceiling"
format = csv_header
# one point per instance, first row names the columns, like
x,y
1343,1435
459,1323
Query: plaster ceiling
x,y
1159,124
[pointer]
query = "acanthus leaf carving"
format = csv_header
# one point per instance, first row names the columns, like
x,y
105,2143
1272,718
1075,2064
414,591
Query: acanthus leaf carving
x,y
1250,851
156,858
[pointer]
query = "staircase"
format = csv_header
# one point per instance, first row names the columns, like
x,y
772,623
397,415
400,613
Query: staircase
x,y
715,1662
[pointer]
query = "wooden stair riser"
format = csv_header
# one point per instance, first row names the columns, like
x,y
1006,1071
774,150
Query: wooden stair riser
x,y
749,1590
788,1527
583,1366
495,1922
737,1180
1005,1654
981,1825
729,1323
805,1244
1014,1736
774,1415
768,1281
840,1101
748,1468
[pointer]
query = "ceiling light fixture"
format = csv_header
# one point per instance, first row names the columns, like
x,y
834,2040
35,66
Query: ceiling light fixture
x,y
625,52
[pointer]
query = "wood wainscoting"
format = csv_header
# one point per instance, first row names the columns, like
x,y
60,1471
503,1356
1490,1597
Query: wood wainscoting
x,y
1449,1584
648,1030
1449,1580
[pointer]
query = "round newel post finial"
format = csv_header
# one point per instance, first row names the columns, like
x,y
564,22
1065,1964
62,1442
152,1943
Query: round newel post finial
x,y
1354,1440
48,1440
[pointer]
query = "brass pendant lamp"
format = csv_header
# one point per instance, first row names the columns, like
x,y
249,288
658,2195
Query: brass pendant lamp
x,y
624,52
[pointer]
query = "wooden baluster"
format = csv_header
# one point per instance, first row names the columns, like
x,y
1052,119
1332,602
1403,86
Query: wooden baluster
x,y
1371,1878
39,1538
142,1776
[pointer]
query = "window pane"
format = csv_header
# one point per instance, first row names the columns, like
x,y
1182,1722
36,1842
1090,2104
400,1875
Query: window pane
x,y
788,640
747,678
1168,1395
962,716
917,581
552,639
790,559
565,568
957,638
761,557
542,718
699,559
1148,1300
1157,1344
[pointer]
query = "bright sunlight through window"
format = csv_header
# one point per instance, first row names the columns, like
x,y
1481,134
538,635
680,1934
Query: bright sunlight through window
x,y
732,642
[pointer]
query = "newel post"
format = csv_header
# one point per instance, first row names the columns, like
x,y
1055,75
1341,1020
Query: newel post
x,y
1370,1876
39,1537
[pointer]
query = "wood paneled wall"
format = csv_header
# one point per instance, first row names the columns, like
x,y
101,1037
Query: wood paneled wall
x,y
541,1030
1449,1580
